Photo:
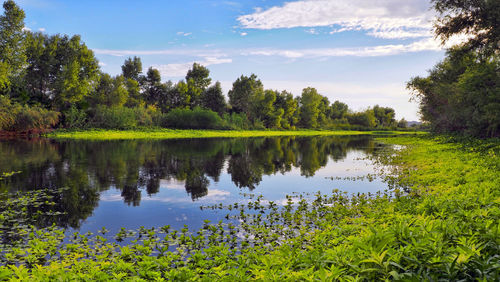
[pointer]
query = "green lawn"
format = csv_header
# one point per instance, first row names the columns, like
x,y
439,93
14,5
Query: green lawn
x,y
175,133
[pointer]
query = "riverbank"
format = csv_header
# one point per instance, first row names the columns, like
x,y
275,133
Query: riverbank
x,y
178,133
440,222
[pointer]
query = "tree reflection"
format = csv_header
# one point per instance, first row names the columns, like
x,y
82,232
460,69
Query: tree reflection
x,y
133,167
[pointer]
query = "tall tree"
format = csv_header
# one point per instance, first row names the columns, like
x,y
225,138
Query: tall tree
x,y
61,70
132,68
213,99
285,101
243,91
479,19
199,75
309,107
12,48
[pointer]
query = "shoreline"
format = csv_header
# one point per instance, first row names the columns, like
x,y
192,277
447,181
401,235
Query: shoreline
x,y
98,134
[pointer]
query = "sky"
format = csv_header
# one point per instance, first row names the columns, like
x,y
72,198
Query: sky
x,y
360,52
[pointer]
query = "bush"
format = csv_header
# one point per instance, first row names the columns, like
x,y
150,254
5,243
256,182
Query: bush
x,y
75,118
14,117
113,117
236,121
193,119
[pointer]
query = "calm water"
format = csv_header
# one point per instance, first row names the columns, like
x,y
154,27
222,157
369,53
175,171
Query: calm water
x,y
130,184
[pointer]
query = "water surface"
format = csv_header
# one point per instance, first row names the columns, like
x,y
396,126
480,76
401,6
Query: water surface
x,y
135,183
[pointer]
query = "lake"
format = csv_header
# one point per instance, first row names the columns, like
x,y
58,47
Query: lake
x,y
133,183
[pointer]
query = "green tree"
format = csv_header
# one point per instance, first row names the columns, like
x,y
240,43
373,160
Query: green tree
x,y
213,99
110,92
338,110
365,119
244,90
286,101
61,71
479,19
132,68
461,94
384,116
12,47
309,107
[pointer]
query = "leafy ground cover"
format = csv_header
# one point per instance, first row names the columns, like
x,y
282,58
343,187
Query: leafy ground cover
x,y
439,221
177,133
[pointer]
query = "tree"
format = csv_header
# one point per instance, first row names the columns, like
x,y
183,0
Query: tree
x,y
199,75
461,94
152,86
384,116
213,99
12,48
365,119
288,104
309,107
478,18
242,93
338,110
132,68
111,91
61,71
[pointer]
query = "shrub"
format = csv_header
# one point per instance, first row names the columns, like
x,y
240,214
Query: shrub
x,y
113,117
75,118
193,119
236,121
14,117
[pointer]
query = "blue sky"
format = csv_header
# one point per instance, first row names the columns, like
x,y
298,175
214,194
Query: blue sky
x,y
361,52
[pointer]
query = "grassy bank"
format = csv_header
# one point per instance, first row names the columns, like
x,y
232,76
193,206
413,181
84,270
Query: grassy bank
x,y
176,133
440,223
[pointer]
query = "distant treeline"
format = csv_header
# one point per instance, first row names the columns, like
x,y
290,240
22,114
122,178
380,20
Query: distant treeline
x,y
55,81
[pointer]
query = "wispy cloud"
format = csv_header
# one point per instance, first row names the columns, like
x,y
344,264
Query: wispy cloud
x,y
186,52
42,29
382,18
182,33
180,69
426,44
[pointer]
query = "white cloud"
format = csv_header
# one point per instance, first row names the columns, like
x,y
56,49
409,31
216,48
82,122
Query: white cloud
x,y
243,34
42,29
102,64
180,69
26,29
184,33
185,52
382,18
426,44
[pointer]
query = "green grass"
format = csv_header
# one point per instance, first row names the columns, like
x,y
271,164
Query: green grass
x,y
175,134
441,221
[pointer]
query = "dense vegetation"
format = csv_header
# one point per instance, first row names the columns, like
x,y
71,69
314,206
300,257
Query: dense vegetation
x,y
58,79
461,95
439,221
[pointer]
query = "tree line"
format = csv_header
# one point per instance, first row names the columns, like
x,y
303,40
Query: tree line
x,y
55,81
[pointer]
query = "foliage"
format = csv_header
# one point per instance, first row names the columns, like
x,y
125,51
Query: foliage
x,y
15,117
61,70
440,222
461,94
480,19
213,99
113,117
12,47
196,119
